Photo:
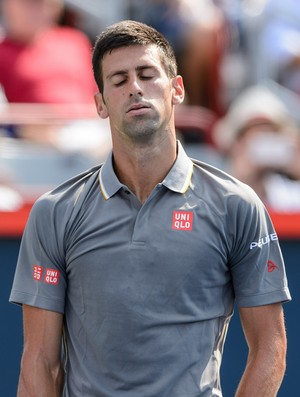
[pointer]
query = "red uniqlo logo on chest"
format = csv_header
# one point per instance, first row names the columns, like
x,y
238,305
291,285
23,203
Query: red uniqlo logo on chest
x,y
37,272
52,276
182,220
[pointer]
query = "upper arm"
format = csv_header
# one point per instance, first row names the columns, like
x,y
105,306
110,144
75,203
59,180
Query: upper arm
x,y
41,369
42,334
264,327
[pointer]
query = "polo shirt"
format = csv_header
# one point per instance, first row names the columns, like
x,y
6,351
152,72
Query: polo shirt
x,y
147,290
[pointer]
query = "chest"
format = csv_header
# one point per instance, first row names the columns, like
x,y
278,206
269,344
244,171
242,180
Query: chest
x,y
166,251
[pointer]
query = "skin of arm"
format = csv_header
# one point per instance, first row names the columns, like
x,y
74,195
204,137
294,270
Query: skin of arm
x,y
41,370
265,334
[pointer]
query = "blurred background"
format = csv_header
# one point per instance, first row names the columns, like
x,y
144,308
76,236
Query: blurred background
x,y
240,60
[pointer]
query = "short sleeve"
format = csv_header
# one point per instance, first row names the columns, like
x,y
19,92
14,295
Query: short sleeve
x,y
256,262
40,277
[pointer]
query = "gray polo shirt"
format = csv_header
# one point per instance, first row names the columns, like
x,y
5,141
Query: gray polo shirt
x,y
148,290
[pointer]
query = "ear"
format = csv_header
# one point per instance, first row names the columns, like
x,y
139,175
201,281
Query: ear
x,y
178,90
100,106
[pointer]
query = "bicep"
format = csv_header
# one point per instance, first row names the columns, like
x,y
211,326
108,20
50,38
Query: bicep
x,y
264,326
42,333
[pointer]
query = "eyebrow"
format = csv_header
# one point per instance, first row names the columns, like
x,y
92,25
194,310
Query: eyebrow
x,y
125,71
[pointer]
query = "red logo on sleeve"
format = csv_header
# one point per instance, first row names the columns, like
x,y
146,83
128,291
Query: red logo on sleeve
x,y
52,276
182,220
272,267
37,272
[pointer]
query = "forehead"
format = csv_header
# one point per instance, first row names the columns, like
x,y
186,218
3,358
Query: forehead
x,y
128,58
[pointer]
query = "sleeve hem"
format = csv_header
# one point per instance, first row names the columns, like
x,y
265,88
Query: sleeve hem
x,y
264,299
41,302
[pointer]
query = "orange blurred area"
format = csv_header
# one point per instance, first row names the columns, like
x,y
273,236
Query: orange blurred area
x,y
12,223
287,225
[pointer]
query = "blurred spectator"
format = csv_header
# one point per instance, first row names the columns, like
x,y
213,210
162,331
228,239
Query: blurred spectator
x,y
197,32
93,16
42,62
45,63
273,36
281,41
262,144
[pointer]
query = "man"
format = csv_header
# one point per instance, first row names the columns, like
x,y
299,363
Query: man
x,y
135,264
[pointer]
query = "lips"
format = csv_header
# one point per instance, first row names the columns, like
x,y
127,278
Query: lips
x,y
137,106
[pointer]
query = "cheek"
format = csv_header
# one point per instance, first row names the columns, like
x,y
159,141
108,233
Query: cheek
x,y
114,109
115,98
110,103
168,99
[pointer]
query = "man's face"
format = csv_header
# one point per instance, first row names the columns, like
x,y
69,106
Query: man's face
x,y
138,96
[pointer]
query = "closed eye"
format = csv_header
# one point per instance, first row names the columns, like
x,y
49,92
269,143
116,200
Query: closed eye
x,y
119,80
118,84
146,77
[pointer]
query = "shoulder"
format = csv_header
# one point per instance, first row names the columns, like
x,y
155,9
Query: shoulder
x,y
223,191
62,200
242,215
52,214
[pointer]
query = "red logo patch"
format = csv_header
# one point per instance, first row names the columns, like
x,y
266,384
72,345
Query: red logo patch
x,y
37,272
272,267
182,220
52,276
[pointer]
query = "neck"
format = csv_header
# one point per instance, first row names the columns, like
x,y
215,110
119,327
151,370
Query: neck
x,y
141,168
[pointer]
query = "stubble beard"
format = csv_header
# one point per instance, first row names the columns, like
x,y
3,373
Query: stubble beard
x,y
143,130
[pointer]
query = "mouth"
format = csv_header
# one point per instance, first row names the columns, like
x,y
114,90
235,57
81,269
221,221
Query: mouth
x,y
136,107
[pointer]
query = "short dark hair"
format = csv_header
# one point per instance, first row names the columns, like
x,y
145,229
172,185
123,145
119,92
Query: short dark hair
x,y
127,33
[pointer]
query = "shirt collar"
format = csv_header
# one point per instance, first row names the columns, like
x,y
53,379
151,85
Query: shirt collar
x,y
108,180
180,175
178,178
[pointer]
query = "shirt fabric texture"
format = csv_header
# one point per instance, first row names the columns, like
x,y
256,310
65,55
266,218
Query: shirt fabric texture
x,y
147,291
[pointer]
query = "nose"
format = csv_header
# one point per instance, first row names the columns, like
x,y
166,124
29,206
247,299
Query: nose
x,y
135,88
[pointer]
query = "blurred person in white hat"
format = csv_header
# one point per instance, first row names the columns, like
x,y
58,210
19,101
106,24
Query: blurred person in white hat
x,y
261,142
